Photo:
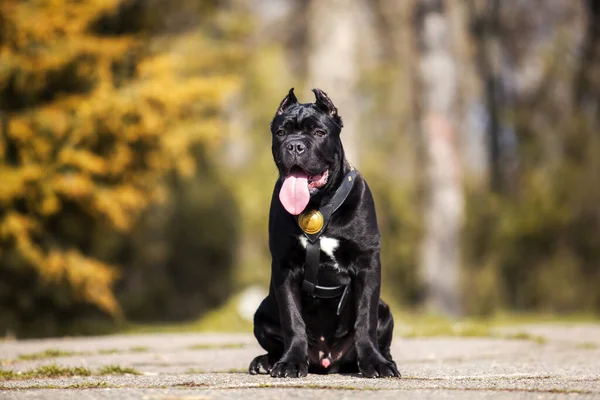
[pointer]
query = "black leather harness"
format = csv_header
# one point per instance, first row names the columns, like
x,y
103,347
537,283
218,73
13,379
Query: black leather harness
x,y
313,248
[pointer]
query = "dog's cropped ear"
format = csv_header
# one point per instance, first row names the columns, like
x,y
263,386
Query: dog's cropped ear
x,y
287,101
325,104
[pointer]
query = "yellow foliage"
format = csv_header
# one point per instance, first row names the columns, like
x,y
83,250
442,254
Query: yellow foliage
x,y
94,123
83,160
15,181
91,278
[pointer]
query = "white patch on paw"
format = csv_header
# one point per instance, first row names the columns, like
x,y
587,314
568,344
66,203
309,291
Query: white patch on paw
x,y
328,246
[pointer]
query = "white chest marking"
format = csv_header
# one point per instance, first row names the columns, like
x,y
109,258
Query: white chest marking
x,y
328,246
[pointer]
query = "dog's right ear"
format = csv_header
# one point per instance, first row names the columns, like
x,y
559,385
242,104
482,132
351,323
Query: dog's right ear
x,y
287,101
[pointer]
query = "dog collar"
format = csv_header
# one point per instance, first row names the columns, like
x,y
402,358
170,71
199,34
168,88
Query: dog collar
x,y
313,224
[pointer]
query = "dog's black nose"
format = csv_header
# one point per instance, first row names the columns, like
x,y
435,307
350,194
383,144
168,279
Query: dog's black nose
x,y
296,147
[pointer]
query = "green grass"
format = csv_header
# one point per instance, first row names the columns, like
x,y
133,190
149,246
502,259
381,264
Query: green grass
x,y
109,351
80,385
57,371
49,353
54,353
464,329
414,325
234,371
88,385
223,319
506,318
133,349
587,346
442,327
409,323
190,385
139,349
53,371
6,374
114,369
522,336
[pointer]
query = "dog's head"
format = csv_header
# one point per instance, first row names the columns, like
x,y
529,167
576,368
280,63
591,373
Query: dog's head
x,y
306,148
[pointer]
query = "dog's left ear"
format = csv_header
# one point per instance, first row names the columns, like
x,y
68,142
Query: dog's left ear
x,y
325,104
287,101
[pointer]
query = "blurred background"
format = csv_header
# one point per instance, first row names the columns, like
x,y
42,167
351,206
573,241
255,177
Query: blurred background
x,y
136,170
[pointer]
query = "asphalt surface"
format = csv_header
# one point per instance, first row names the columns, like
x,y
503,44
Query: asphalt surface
x,y
548,362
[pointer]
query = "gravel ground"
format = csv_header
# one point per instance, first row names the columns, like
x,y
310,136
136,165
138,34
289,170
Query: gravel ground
x,y
551,361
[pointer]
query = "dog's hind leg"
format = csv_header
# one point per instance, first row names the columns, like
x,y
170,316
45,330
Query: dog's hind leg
x,y
268,333
385,330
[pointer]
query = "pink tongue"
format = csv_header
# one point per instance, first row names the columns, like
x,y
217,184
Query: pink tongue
x,y
325,362
294,193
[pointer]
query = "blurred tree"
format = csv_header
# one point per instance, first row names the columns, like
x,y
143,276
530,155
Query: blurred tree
x,y
536,247
390,147
108,107
335,31
440,260
538,227
484,21
530,188
94,115
586,77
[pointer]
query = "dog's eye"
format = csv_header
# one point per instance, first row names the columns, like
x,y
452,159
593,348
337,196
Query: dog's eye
x,y
280,132
319,133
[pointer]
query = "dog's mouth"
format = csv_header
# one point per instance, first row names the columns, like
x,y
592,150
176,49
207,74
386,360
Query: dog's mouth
x,y
297,188
317,181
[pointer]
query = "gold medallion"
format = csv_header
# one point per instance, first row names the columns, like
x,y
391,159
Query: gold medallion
x,y
311,221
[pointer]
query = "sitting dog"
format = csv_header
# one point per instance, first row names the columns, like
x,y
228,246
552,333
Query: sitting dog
x,y
323,313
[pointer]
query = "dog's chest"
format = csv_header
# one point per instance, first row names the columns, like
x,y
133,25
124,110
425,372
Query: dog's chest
x,y
329,246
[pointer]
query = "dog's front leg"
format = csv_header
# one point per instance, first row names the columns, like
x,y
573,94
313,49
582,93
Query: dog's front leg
x,y
367,288
294,361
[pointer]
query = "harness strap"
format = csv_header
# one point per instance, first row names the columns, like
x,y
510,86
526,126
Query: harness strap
x,y
336,201
313,253
313,248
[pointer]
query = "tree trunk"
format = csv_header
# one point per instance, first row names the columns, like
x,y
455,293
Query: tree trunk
x,y
585,86
470,104
486,22
440,258
335,28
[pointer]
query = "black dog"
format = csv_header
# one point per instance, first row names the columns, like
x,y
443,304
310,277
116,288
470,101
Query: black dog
x,y
323,312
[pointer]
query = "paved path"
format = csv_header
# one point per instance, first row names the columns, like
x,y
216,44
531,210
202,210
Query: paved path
x,y
550,361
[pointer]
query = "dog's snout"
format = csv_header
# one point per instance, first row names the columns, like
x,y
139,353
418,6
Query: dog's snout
x,y
296,147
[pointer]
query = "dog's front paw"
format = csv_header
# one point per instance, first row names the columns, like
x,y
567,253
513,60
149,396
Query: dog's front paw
x,y
378,367
261,364
289,369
